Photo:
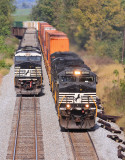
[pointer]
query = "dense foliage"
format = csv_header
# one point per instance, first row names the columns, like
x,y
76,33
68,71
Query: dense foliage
x,y
6,9
97,26
6,49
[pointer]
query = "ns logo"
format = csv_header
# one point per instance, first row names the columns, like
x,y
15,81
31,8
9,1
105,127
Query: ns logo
x,y
77,96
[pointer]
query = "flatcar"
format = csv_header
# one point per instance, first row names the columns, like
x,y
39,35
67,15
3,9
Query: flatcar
x,y
28,65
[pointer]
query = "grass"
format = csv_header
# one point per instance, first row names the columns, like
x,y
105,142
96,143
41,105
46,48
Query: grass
x,y
4,71
22,15
10,44
9,61
110,95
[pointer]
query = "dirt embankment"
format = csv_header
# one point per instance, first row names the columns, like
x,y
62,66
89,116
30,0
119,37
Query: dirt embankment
x,y
104,69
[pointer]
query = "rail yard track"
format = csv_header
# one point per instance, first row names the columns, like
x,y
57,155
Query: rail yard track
x,y
26,134
82,146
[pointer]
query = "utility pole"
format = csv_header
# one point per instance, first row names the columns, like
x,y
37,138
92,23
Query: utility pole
x,y
123,48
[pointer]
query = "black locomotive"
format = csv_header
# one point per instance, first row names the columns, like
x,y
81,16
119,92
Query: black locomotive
x,y
74,89
28,65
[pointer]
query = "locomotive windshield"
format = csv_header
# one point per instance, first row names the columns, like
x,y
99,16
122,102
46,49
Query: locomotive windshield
x,y
79,79
68,79
27,59
86,79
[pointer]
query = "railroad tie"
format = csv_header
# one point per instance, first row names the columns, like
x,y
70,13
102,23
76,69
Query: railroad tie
x,y
120,150
115,138
111,129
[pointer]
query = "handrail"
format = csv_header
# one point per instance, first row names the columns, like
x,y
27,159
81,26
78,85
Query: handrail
x,y
59,106
95,104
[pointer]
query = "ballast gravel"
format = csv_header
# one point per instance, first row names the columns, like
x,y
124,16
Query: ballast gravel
x,y
7,104
106,148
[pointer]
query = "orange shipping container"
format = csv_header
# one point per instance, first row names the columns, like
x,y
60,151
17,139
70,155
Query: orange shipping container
x,y
44,36
39,27
56,41
42,31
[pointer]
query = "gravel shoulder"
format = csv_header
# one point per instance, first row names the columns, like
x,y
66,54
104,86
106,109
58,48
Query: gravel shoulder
x,y
105,147
7,104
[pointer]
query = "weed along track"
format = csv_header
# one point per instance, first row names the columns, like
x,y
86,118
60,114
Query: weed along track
x,y
82,146
26,134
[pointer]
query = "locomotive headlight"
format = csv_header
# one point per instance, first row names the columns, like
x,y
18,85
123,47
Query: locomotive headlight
x,y
77,73
87,106
68,106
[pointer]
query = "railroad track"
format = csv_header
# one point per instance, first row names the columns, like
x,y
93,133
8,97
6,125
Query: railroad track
x,y
82,146
26,134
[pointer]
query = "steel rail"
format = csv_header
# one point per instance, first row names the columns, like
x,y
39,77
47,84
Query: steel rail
x,y
73,149
93,145
35,128
14,152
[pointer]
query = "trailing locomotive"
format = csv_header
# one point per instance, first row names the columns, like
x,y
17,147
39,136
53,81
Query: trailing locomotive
x,y
28,64
74,90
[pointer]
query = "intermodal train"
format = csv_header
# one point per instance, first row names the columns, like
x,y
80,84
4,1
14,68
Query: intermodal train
x,y
72,82
28,65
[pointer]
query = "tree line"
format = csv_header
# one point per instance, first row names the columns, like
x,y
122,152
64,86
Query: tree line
x,y
95,25
6,8
6,50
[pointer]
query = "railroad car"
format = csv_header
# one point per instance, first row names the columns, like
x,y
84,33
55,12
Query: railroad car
x,y
55,41
19,27
28,64
74,91
18,30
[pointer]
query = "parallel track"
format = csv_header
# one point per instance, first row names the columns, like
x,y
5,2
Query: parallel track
x,y
82,146
26,134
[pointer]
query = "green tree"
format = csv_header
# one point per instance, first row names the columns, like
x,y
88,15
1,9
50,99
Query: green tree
x,y
6,9
95,25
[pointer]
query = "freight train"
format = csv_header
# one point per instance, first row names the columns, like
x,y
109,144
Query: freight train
x,y
72,82
28,64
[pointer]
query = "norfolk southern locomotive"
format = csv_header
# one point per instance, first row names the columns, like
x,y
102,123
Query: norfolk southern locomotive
x,y
28,69
74,89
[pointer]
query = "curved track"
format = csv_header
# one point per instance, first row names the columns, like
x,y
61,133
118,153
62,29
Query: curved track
x,y
26,134
82,146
